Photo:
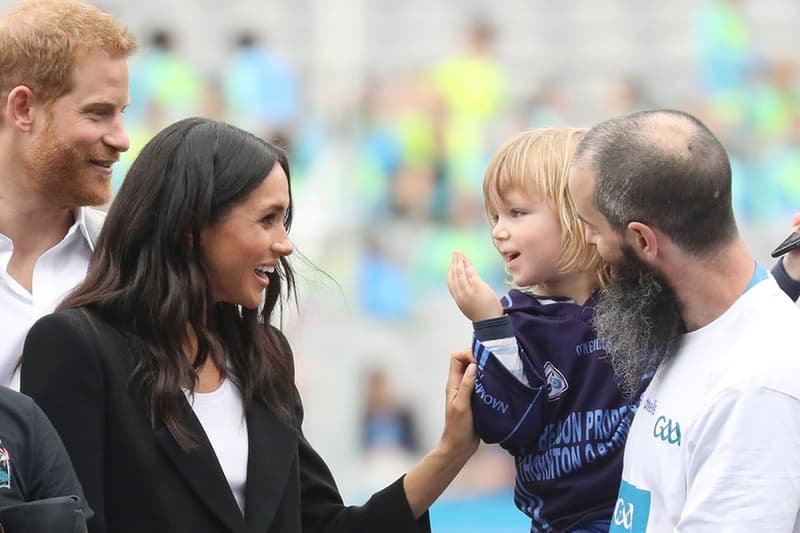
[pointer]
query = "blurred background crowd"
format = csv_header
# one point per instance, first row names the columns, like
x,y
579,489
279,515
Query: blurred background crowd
x,y
390,112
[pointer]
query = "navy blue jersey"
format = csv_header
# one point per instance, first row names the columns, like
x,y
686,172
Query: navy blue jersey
x,y
566,427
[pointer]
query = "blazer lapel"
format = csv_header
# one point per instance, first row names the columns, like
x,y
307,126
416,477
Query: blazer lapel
x,y
273,451
201,469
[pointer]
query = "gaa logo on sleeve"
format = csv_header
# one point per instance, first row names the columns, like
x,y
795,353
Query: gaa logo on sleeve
x,y
631,510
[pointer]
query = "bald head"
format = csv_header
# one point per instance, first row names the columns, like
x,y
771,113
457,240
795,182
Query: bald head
x,y
665,169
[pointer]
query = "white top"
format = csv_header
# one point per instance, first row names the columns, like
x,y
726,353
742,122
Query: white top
x,y
221,413
57,271
715,443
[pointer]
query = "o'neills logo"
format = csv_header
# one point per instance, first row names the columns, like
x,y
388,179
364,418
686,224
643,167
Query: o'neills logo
x,y
498,405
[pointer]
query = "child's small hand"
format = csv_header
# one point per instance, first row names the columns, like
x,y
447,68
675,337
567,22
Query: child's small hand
x,y
474,297
791,261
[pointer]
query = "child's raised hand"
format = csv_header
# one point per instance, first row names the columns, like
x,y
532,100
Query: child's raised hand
x,y
476,299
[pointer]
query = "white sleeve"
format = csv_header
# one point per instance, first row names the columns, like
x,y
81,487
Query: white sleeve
x,y
497,335
743,465
506,350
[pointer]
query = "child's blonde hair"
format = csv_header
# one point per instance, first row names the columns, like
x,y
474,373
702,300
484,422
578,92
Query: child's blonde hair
x,y
537,162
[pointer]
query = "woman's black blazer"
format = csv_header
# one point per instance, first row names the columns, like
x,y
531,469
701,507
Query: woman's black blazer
x,y
136,477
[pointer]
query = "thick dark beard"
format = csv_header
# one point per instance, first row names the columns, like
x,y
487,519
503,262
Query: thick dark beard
x,y
638,320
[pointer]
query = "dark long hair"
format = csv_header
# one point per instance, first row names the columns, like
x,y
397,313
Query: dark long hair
x,y
149,276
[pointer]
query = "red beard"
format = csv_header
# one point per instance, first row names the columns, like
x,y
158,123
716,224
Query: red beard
x,y
65,174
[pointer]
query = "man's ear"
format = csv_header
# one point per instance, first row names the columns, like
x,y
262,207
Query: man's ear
x,y
19,108
644,241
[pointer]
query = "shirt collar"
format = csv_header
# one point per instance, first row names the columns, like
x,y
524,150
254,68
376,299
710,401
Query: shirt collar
x,y
80,225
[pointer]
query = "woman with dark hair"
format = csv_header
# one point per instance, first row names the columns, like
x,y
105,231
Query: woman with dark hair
x,y
172,392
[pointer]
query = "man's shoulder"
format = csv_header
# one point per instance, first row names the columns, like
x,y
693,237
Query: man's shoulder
x,y
771,316
769,290
15,402
762,345
763,315
20,418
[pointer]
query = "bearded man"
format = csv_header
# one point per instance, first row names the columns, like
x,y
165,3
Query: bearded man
x,y
715,443
63,86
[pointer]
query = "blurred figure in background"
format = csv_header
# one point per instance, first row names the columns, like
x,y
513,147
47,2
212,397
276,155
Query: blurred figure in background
x,y
164,87
260,91
389,434
473,88
388,425
628,94
163,83
547,106
724,47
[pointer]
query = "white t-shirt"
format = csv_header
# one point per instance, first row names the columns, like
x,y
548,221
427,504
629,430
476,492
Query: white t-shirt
x,y
715,443
57,272
221,413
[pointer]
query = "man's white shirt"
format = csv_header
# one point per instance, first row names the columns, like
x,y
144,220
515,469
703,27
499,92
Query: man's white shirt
x,y
715,443
57,272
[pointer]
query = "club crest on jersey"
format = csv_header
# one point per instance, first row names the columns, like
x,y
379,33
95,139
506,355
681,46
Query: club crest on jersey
x,y
5,468
556,382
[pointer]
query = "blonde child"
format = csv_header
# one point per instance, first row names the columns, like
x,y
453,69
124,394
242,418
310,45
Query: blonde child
x,y
544,392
